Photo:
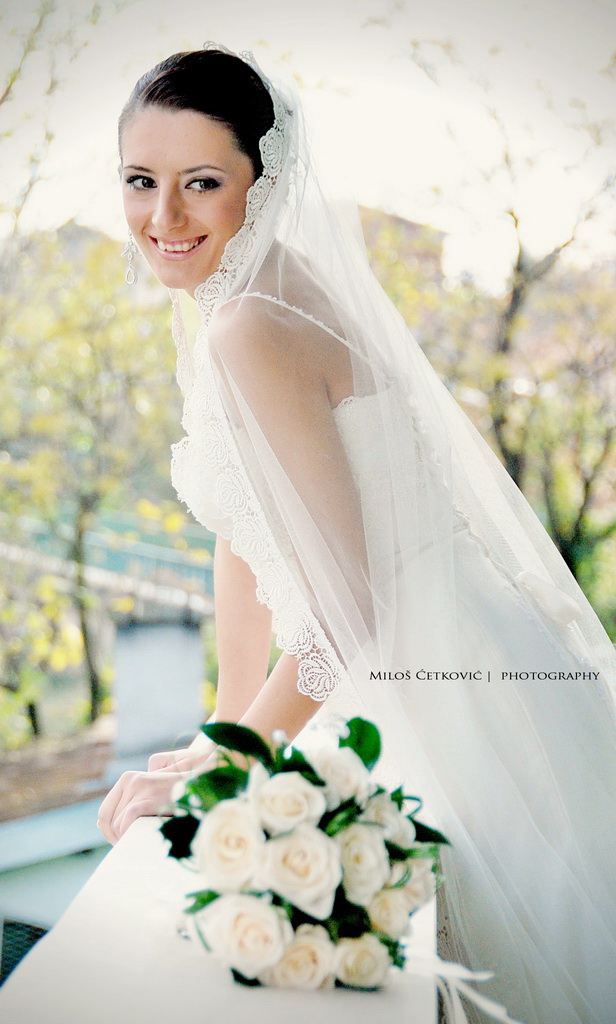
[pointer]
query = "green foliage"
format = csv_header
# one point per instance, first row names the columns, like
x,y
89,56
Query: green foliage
x,y
394,948
295,762
180,831
347,920
364,738
87,388
535,371
240,979
221,783
201,899
88,409
241,739
340,818
425,834
38,639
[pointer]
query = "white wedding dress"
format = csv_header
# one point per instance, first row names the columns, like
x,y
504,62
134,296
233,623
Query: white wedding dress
x,y
412,582
507,630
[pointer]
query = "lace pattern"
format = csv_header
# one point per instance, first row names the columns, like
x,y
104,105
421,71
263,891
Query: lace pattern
x,y
207,468
298,632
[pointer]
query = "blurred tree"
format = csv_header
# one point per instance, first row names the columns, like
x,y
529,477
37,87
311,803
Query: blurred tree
x,y
39,43
560,381
88,402
498,192
569,385
37,636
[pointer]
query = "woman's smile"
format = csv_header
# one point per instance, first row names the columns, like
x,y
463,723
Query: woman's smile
x,y
184,188
178,249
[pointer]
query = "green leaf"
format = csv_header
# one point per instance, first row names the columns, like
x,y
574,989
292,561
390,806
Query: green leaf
x,y
427,851
394,948
345,815
242,980
398,797
222,783
289,909
425,834
364,738
184,802
397,852
350,920
201,899
180,832
402,881
296,762
241,738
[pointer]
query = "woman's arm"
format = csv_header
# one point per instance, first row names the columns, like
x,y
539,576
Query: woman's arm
x,y
279,704
243,635
243,639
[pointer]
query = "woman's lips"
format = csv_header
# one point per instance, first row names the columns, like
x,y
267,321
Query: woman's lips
x,y
180,248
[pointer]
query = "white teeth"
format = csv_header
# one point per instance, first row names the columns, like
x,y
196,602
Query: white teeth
x,y
178,246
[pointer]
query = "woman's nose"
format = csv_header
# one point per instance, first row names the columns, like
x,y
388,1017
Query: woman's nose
x,y
168,211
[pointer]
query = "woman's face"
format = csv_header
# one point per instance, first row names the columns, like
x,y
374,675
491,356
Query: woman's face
x,y
184,185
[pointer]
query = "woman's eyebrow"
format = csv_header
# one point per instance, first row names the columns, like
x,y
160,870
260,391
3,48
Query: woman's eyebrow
x,y
189,170
203,167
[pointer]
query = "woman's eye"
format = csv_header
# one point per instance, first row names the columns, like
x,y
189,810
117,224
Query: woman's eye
x,y
139,181
203,184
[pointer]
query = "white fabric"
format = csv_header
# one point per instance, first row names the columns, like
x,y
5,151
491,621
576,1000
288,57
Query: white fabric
x,y
393,548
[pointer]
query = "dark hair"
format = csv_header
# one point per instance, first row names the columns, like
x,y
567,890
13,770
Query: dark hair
x,y
211,82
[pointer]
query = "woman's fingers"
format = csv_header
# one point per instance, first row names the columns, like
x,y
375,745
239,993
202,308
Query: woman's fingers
x,y
179,760
140,794
166,759
135,794
138,809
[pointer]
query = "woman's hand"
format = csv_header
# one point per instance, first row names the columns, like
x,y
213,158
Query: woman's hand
x,y
184,760
135,795
146,794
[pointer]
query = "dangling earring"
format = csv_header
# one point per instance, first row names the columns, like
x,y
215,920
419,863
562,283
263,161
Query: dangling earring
x,y
130,250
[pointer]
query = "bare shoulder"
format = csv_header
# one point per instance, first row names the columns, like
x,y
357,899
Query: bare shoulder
x,y
282,324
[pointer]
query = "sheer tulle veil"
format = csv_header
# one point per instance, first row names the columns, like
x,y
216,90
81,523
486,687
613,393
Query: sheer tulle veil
x,y
413,583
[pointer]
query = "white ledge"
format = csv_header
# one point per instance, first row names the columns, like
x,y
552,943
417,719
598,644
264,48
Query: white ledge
x,y
115,957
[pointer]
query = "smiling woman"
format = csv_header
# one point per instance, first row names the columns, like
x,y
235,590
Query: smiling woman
x,y
189,146
186,198
360,516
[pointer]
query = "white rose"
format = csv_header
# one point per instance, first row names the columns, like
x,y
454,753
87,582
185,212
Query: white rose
x,y
362,962
245,932
228,845
397,828
419,888
343,771
304,868
285,800
389,912
365,862
307,963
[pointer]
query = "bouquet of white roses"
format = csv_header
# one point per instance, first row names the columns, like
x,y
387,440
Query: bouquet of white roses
x,y
309,870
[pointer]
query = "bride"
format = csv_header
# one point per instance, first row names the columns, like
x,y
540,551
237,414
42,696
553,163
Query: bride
x,y
359,515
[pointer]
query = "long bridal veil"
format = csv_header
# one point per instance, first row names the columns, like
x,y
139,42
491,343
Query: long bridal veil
x,y
412,581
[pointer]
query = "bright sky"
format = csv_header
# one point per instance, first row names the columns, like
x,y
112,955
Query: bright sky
x,y
386,132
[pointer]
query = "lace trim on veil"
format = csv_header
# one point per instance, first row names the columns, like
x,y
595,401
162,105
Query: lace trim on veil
x,y
297,630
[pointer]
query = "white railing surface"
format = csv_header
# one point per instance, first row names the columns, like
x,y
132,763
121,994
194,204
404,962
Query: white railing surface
x,y
117,957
